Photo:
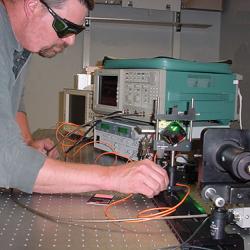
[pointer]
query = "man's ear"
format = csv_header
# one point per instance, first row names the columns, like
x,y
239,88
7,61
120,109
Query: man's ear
x,y
31,7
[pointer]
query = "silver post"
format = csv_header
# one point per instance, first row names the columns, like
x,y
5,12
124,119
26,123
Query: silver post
x,y
191,122
157,105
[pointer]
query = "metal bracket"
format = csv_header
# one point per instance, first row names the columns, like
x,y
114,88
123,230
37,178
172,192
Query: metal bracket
x,y
172,5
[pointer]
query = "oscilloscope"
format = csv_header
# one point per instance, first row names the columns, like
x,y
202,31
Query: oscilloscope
x,y
132,91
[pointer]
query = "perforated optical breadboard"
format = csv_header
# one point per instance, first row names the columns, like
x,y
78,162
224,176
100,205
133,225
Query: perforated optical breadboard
x,y
21,229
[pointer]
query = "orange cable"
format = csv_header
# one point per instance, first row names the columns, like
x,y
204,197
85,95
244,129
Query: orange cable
x,y
141,214
106,209
166,210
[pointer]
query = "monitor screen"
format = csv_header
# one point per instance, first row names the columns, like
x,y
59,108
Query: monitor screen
x,y
108,90
77,109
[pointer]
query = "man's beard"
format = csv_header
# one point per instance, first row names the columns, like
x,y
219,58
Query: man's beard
x,y
52,51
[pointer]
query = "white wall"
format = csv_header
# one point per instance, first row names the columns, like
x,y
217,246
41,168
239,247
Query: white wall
x,y
47,77
235,45
120,40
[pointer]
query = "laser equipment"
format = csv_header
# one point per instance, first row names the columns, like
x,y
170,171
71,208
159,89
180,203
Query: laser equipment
x,y
133,85
224,177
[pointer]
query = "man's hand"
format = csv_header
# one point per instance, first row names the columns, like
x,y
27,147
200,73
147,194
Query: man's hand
x,y
44,145
143,177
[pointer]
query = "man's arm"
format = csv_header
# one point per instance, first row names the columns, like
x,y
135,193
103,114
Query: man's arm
x,y
21,119
143,177
41,145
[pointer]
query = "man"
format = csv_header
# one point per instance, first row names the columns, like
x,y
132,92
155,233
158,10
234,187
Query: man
x,y
47,27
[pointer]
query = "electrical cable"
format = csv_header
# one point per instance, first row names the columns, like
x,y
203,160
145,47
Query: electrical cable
x,y
81,139
74,137
77,221
184,244
165,210
62,130
111,115
78,127
143,216
146,214
197,247
140,218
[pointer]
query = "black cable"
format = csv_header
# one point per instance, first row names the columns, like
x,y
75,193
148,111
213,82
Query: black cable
x,y
198,247
82,139
111,115
185,243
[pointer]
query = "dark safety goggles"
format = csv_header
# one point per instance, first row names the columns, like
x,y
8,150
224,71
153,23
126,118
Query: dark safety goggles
x,y
62,26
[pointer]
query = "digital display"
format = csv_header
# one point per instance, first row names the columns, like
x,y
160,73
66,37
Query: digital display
x,y
123,131
105,126
77,109
108,90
